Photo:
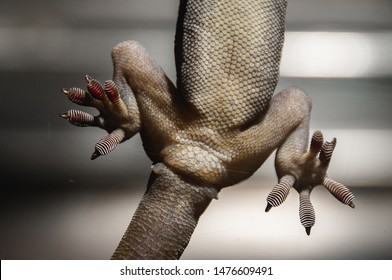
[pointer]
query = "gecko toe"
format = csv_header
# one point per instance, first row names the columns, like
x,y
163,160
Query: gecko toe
x,y
79,118
95,88
108,143
306,211
339,191
280,192
118,119
327,151
315,144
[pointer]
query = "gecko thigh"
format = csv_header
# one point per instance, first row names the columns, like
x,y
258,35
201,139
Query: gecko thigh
x,y
296,141
286,120
153,92
137,69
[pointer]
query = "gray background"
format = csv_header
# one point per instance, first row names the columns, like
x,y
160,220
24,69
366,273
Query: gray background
x,y
57,204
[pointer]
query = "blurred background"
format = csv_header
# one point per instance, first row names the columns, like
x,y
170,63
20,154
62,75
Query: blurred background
x,y
58,204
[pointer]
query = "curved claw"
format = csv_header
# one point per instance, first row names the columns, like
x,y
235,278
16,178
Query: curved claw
x,y
108,143
280,192
306,211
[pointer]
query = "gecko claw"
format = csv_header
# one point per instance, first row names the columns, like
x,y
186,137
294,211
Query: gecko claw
x,y
95,155
64,115
88,78
269,206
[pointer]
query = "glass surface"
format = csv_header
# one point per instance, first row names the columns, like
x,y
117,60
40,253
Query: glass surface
x,y
58,204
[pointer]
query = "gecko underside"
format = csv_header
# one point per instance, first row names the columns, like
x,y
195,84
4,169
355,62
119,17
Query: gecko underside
x,y
214,128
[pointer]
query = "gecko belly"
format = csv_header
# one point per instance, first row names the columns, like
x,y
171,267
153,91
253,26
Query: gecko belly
x,y
203,165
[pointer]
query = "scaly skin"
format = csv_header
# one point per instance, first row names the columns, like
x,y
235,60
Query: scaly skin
x,y
213,130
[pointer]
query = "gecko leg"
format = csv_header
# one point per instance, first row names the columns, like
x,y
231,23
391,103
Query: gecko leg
x,y
118,119
303,172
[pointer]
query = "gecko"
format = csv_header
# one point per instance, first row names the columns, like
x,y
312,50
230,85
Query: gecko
x,y
213,128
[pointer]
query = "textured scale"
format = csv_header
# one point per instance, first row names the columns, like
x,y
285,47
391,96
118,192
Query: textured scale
x,y
213,129
221,71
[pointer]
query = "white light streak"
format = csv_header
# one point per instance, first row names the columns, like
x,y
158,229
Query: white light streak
x,y
336,54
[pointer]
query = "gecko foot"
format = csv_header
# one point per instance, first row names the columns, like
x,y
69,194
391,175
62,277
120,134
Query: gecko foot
x,y
306,172
114,116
